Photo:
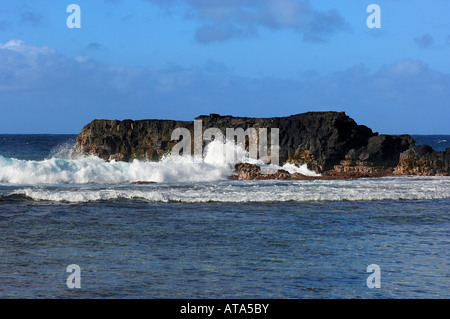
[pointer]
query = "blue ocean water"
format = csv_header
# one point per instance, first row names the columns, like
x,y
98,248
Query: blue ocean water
x,y
196,234
437,142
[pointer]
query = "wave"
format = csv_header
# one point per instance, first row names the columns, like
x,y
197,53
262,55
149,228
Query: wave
x,y
395,188
93,170
60,169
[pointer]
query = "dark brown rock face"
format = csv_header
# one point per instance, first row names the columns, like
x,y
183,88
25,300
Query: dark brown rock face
x,y
319,139
128,140
325,141
423,160
253,172
246,171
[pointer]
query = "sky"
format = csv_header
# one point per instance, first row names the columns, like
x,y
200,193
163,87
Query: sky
x,y
178,59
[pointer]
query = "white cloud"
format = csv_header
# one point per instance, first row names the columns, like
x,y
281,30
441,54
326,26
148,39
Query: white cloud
x,y
406,68
223,20
408,92
20,46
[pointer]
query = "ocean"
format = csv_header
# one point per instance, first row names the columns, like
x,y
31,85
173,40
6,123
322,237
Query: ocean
x,y
195,234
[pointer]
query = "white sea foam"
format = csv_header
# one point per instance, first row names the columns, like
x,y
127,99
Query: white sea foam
x,y
397,188
93,170
303,169
60,169
182,179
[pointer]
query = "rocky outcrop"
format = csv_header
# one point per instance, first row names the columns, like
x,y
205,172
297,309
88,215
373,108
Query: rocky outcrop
x,y
246,171
128,140
381,153
330,143
319,139
423,160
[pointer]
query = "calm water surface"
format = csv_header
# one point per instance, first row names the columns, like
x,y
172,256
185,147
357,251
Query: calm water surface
x,y
291,250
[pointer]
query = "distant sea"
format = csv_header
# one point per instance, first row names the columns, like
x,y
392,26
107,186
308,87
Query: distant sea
x,y
195,234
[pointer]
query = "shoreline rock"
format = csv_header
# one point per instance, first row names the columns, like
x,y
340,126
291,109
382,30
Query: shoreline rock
x,y
330,143
245,171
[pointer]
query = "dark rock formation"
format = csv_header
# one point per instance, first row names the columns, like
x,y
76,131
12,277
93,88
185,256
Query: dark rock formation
x,y
253,172
319,139
246,171
423,160
128,140
381,152
328,142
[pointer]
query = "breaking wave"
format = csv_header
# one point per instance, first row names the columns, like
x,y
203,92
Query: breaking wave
x,y
61,169
185,179
394,188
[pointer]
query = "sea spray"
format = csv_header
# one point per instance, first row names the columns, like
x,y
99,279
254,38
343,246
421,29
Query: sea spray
x,y
93,170
62,169
393,188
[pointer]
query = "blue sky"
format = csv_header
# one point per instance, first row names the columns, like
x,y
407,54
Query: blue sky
x,y
177,59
